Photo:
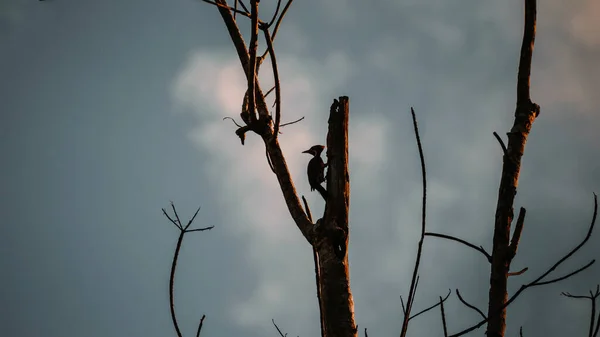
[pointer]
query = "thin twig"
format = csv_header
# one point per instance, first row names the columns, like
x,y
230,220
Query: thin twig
x,y
470,305
412,291
450,237
192,219
276,29
504,150
170,219
403,307
233,120
592,297
234,10
517,273
274,15
293,122
276,327
431,307
176,215
270,90
276,79
443,317
200,325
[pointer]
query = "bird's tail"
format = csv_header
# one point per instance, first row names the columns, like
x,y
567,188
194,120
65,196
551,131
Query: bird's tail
x,y
322,191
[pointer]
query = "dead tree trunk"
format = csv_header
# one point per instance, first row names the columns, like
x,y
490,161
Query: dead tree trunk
x,y
331,240
503,250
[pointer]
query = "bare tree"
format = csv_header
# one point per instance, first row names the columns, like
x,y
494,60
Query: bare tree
x,y
328,236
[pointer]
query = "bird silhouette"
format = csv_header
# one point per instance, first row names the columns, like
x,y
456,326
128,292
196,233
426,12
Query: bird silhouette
x,y
316,170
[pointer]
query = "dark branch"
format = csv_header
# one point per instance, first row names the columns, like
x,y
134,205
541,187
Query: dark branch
x,y
200,325
431,307
233,120
182,232
592,297
443,317
470,305
276,327
276,78
414,280
293,122
234,10
449,237
504,151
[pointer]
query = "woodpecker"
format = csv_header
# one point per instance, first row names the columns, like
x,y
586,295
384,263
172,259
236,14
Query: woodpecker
x,y
316,170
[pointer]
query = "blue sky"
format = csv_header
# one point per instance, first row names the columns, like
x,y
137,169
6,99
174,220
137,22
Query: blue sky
x,y
110,109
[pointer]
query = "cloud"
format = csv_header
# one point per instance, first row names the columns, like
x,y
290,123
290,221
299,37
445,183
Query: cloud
x,y
211,86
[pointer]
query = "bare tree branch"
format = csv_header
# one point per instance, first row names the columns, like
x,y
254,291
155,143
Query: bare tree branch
x,y
431,307
592,297
234,10
233,120
504,151
443,317
278,330
200,325
450,237
412,291
182,232
265,30
470,305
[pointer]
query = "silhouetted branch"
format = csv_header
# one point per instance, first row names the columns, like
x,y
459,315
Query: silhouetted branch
x,y
592,297
233,120
521,331
182,232
538,281
234,10
431,307
265,30
450,237
293,122
274,15
443,317
504,151
200,325
276,29
470,305
276,327
413,283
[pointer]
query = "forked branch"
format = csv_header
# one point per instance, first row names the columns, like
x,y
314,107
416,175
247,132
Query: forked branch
x,y
182,232
594,321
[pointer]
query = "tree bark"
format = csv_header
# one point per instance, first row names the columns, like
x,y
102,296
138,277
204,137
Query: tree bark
x,y
332,231
525,114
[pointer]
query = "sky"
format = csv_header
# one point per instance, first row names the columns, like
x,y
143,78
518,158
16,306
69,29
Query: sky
x,y
112,109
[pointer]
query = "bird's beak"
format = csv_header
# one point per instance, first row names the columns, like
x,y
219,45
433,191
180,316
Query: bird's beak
x,y
307,151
